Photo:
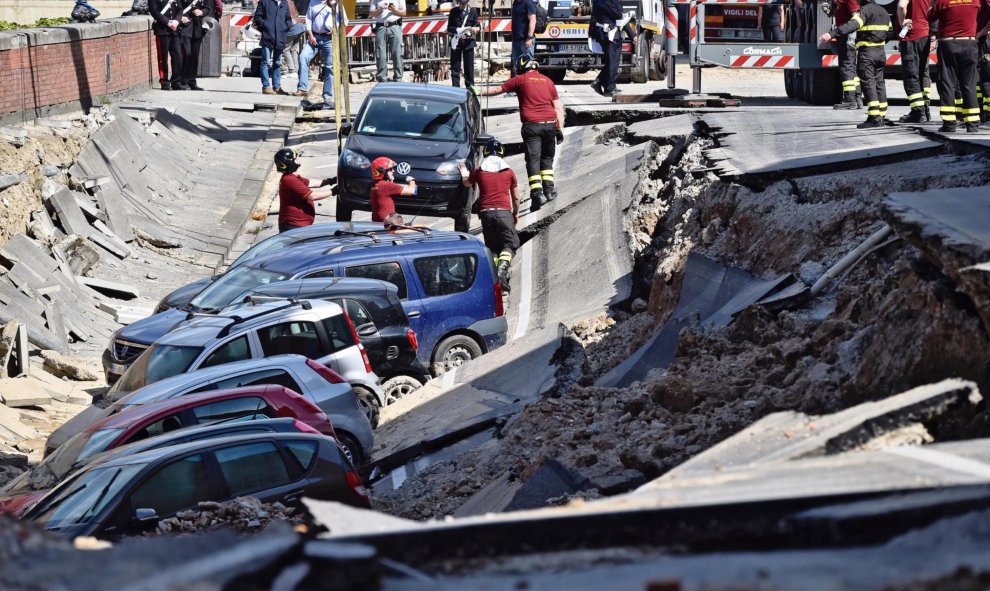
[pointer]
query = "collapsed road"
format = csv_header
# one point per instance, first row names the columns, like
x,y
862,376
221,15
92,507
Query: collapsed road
x,y
691,379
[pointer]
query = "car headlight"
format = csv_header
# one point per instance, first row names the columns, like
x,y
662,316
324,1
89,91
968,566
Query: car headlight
x,y
354,160
448,168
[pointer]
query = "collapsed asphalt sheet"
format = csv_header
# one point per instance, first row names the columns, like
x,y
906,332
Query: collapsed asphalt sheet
x,y
772,140
710,294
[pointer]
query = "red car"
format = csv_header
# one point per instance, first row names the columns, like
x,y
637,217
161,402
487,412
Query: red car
x,y
142,422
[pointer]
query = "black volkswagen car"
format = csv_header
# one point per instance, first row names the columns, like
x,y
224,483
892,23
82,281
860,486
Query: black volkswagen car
x,y
427,130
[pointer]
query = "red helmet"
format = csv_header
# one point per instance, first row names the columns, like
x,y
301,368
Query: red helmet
x,y
380,166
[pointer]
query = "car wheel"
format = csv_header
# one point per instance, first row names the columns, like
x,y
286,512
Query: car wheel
x,y
369,404
397,387
454,351
344,213
351,448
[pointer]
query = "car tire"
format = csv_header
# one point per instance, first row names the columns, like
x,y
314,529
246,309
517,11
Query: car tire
x,y
454,351
351,448
343,212
369,404
397,387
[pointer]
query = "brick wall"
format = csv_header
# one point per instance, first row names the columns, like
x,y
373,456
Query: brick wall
x,y
73,67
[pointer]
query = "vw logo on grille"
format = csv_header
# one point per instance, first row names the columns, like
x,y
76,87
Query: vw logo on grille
x,y
403,168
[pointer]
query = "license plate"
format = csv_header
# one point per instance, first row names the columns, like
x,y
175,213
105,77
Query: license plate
x,y
573,47
117,369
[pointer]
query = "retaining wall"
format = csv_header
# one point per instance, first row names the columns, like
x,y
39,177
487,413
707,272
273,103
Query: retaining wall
x,y
73,67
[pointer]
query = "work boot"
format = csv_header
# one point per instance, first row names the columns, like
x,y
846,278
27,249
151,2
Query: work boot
x,y
503,275
536,199
166,86
915,115
848,102
193,86
972,127
871,122
947,127
549,192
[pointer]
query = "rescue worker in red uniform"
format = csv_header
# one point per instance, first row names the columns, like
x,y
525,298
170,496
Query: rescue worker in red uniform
x,y
295,193
384,189
498,193
542,115
844,48
872,26
915,47
958,55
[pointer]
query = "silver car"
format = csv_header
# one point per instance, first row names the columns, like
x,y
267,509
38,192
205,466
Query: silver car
x,y
311,379
316,329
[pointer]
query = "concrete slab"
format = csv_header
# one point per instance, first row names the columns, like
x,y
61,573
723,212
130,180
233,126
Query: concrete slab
x,y
70,216
11,426
110,288
664,128
22,392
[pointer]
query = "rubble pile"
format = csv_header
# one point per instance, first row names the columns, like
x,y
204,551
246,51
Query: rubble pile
x,y
243,514
19,538
893,321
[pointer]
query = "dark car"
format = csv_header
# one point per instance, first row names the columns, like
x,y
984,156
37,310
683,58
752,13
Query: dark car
x,y
20,493
427,130
446,282
374,308
128,495
180,297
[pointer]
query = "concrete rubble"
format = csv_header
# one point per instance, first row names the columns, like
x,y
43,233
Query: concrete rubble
x,y
243,514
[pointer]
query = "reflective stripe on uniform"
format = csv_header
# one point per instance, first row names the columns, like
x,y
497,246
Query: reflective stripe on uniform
x,y
870,44
873,108
883,109
546,175
875,28
535,182
971,115
947,113
916,100
849,85
858,19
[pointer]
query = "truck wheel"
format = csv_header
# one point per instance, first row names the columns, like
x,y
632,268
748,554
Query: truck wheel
x,y
659,69
799,84
822,86
344,213
789,76
641,73
454,351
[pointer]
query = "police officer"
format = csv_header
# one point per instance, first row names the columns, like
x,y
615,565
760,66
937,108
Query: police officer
x,y
844,48
498,196
192,37
542,115
872,26
388,36
168,18
462,26
957,61
605,29
915,46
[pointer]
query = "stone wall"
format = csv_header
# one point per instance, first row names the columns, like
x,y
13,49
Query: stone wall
x,y
73,67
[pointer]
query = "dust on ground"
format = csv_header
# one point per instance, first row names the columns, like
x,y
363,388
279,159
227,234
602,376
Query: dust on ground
x,y
892,322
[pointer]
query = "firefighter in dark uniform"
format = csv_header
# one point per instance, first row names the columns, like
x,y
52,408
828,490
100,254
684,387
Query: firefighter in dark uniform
x,y
542,115
872,26
983,39
957,62
843,11
192,37
168,18
915,47
498,207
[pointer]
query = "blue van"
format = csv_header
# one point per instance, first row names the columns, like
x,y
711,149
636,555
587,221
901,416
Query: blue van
x,y
446,283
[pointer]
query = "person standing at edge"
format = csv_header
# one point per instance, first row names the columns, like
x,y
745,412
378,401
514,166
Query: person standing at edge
x,y
844,48
523,30
295,193
462,45
498,194
320,25
384,188
605,29
192,39
915,47
872,26
167,15
273,19
958,55
773,22
388,36
542,115
983,71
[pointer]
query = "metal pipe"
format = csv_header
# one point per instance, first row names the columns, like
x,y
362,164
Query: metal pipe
x,y
850,259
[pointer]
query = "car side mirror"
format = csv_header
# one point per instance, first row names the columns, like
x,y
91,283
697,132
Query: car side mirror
x,y
483,138
145,518
345,129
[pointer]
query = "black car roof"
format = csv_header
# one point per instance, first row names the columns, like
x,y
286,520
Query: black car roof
x,y
420,91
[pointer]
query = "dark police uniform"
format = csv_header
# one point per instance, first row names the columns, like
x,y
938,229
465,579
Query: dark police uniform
x,y
872,26
957,61
843,11
192,38
462,17
169,42
604,16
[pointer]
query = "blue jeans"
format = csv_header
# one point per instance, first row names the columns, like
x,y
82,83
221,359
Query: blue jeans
x,y
519,49
271,59
325,44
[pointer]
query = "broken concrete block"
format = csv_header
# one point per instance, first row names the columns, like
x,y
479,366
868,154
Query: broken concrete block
x,y
11,427
53,123
14,136
77,398
50,170
70,217
42,227
7,337
63,366
105,242
88,207
9,180
13,460
80,254
21,392
49,187
109,288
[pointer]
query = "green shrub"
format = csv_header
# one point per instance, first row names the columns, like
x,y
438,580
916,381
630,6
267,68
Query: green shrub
x,y
40,23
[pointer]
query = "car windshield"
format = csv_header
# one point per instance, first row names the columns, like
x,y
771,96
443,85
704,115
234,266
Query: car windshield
x,y
80,499
157,363
264,247
78,447
233,286
413,118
